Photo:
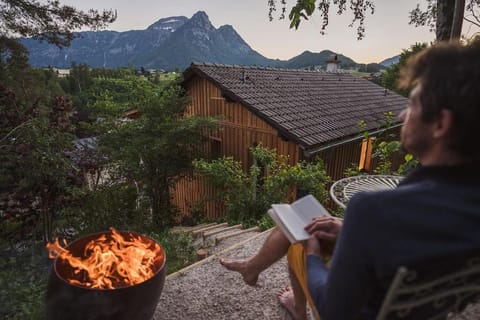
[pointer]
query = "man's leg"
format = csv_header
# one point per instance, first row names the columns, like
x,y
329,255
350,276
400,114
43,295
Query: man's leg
x,y
275,247
299,294
293,299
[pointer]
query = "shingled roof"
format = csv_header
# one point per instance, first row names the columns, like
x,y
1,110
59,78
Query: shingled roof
x,y
312,108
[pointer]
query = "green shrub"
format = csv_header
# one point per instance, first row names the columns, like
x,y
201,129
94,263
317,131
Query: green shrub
x,y
178,248
265,223
248,195
109,206
23,283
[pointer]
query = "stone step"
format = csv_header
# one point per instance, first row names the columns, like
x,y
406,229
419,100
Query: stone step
x,y
185,229
221,230
208,228
234,234
214,237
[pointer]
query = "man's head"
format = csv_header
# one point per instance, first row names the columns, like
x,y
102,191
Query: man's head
x,y
444,106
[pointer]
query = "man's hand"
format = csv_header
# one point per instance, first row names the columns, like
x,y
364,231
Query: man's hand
x,y
323,233
325,228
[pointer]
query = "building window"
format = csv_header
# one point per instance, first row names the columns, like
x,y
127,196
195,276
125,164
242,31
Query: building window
x,y
215,151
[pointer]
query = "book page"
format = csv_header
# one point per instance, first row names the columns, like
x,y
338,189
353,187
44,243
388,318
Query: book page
x,y
290,221
308,208
293,218
280,224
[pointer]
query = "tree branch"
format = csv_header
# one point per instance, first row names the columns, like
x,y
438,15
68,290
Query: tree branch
x,y
24,124
472,22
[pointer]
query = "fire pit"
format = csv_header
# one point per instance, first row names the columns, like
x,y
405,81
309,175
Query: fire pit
x,y
109,275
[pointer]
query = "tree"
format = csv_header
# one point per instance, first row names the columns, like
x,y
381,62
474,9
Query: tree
x,y
305,8
79,78
157,149
36,174
50,21
444,16
391,76
370,67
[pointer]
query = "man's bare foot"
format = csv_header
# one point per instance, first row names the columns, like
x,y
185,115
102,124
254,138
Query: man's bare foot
x,y
287,300
241,266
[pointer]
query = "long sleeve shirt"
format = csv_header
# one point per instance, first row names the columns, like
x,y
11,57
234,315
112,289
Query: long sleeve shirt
x,y
435,211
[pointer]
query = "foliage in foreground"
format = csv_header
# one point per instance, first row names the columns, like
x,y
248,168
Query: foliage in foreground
x,y
386,147
36,175
247,196
178,248
154,151
23,284
391,76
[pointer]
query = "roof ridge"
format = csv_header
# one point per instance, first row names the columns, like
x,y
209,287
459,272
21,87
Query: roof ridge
x,y
254,67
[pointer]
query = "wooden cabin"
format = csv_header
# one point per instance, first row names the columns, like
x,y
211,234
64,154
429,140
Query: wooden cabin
x,y
300,113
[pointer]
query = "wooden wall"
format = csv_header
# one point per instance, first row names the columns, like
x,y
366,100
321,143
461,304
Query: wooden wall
x,y
341,157
241,130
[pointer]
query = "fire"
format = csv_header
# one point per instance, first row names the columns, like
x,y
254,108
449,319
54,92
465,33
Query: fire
x,y
111,261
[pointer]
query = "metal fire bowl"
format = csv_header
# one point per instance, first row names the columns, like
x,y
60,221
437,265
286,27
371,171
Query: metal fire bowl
x,y
67,301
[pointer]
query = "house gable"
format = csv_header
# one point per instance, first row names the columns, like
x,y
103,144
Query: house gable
x,y
241,128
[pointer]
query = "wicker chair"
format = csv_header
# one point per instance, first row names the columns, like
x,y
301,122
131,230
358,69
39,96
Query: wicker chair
x,y
434,288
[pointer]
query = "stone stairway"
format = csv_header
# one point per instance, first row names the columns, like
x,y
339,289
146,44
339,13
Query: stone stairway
x,y
214,237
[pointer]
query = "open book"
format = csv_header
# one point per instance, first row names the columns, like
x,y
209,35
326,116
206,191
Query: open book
x,y
292,218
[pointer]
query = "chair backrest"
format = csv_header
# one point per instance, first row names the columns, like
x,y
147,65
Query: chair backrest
x,y
433,289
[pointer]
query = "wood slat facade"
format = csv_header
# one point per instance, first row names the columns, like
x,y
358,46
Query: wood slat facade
x,y
240,131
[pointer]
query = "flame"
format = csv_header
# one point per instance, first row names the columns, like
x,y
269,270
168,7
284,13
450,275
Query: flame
x,y
111,261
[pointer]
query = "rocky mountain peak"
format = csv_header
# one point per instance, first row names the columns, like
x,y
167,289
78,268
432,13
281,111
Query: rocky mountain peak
x,y
201,20
227,28
171,23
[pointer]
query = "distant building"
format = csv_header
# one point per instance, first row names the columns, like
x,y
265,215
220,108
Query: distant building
x,y
332,63
61,73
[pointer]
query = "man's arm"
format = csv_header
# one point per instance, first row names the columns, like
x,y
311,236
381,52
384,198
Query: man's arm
x,y
348,286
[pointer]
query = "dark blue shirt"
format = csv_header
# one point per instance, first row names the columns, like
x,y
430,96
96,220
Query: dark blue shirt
x,y
435,211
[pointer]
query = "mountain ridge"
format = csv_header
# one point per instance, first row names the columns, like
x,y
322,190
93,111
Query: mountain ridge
x,y
168,43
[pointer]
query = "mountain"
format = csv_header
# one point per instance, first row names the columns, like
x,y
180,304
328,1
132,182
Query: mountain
x,y
310,59
388,62
169,43
104,48
199,40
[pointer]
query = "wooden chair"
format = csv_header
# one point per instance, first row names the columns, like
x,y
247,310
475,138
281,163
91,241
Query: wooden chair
x,y
433,289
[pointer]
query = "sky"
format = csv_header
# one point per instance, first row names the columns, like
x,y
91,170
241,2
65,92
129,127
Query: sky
x,y
387,30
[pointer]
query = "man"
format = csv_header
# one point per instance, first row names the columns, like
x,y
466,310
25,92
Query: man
x,y
435,211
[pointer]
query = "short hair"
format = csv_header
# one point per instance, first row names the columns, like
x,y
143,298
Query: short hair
x,y
449,74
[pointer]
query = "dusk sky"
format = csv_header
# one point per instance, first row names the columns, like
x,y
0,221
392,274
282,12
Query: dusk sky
x,y
387,31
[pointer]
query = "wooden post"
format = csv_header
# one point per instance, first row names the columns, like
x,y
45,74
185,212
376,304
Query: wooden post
x,y
201,254
365,162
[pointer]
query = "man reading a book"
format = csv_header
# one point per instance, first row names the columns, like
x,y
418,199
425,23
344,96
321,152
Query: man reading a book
x,y
435,211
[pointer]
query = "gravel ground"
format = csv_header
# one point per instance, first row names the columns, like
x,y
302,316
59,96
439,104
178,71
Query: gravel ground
x,y
207,291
